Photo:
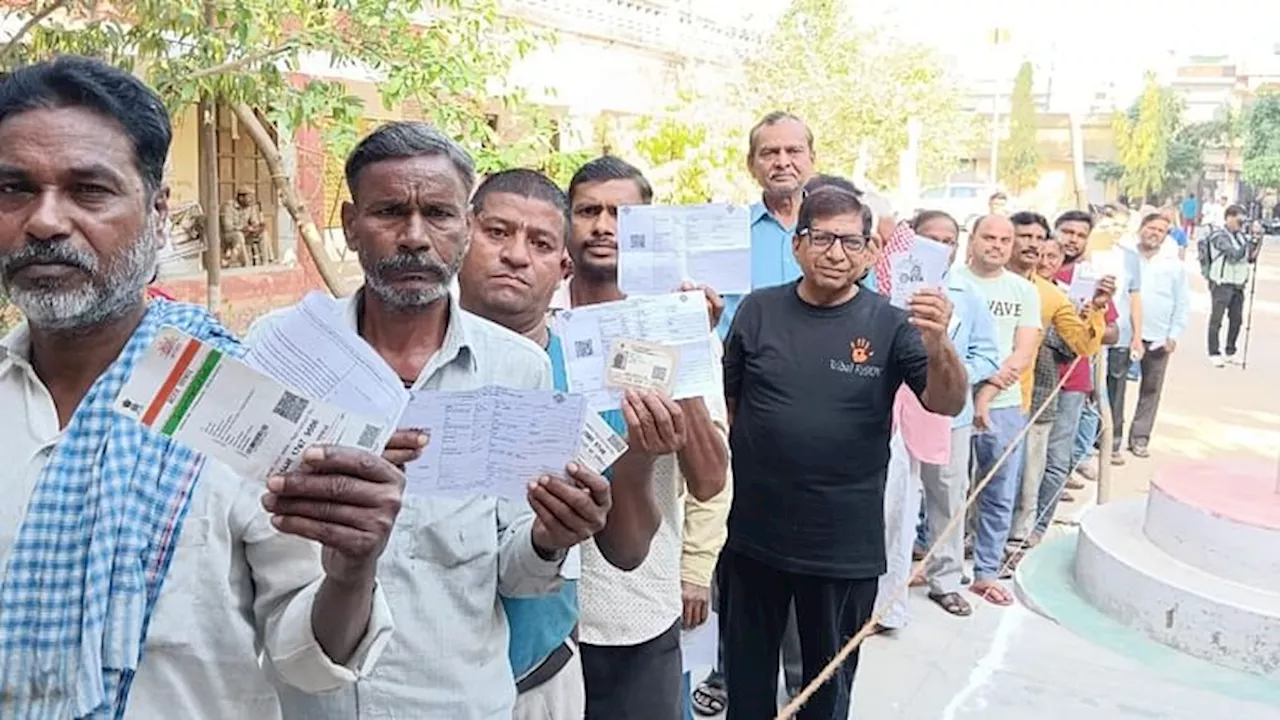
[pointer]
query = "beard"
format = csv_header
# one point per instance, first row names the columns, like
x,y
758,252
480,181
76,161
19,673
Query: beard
x,y
109,292
379,274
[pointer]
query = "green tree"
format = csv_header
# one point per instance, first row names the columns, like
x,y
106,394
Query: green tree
x,y
1142,141
1019,153
851,83
691,152
1262,143
439,55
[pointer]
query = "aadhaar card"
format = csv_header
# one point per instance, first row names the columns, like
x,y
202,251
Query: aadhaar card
x,y
642,366
217,405
600,446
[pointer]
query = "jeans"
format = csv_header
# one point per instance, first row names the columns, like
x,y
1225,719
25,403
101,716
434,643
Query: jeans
x,y
1117,381
1228,299
1086,434
1058,461
995,502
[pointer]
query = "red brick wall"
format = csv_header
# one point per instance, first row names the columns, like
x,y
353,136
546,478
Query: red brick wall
x,y
247,295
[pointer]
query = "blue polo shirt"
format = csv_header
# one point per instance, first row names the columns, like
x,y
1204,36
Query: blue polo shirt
x,y
772,262
540,625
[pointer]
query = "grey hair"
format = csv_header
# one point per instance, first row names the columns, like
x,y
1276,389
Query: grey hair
x,y
773,118
398,140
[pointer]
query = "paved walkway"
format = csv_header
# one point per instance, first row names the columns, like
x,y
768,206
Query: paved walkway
x,y
1013,664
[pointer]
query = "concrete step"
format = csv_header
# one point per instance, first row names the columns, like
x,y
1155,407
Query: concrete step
x,y
1223,518
1129,578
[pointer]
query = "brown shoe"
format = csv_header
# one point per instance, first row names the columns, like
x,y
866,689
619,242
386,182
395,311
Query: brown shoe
x,y
1074,484
1117,459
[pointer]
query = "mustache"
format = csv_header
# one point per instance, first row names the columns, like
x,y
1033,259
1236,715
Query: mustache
x,y
37,253
419,262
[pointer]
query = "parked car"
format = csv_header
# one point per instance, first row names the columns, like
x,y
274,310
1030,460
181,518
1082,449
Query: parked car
x,y
965,202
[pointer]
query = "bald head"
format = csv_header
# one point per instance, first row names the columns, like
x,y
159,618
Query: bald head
x,y
990,245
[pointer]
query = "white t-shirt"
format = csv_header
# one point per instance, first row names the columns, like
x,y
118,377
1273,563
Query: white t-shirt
x,y
1014,304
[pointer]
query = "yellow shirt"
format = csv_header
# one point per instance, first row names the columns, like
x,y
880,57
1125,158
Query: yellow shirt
x,y
1082,336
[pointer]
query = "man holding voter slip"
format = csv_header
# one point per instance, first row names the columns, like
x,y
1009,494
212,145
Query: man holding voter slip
x,y
464,538
631,621
518,255
145,571
811,370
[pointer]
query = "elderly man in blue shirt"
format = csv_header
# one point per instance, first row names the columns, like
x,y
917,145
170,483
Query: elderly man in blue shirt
x,y
972,331
780,157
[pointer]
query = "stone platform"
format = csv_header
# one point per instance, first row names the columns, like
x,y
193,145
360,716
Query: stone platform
x,y
1196,566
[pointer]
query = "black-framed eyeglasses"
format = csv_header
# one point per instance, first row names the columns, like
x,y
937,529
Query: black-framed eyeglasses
x,y
822,240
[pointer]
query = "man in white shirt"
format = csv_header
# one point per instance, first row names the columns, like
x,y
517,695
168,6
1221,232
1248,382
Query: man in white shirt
x,y
449,558
141,579
630,621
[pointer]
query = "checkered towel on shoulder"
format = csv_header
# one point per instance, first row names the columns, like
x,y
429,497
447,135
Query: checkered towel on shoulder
x,y
92,552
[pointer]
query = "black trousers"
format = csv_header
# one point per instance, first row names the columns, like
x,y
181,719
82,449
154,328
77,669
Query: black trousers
x,y
1229,300
635,682
1154,364
1117,381
756,598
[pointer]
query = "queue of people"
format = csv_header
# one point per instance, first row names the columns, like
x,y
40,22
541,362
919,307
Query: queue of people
x,y
144,579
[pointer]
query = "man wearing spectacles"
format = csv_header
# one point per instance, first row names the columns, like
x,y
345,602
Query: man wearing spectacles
x,y
811,370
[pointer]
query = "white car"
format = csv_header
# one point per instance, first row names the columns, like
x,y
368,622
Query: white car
x,y
965,202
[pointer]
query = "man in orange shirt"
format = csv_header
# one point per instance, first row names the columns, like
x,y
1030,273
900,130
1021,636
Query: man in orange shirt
x,y
1081,332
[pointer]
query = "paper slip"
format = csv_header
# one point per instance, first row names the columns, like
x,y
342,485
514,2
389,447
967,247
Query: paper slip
x,y
922,265
1084,283
662,246
219,406
677,320
641,365
312,347
493,440
599,446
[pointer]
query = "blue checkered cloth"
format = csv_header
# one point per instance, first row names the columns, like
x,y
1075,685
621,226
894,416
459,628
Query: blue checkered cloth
x,y
95,545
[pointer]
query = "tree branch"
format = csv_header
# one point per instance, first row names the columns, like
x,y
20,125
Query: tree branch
x,y
33,21
241,62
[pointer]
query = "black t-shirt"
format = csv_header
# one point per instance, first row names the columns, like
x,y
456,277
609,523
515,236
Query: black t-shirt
x,y
814,390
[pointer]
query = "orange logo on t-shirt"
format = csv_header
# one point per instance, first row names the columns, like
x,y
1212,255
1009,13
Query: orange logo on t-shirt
x,y
860,350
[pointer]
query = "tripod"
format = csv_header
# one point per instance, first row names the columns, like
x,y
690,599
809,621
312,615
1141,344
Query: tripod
x,y
1248,318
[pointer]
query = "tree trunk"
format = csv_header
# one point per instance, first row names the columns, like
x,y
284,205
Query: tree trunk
x,y
289,196
208,185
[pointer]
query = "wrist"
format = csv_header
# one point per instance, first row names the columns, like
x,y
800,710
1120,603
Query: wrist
x,y
353,580
548,554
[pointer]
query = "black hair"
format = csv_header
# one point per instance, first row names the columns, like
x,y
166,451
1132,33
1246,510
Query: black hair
x,y
72,81
828,202
525,183
998,195
1026,217
1234,211
1152,217
773,118
606,168
925,216
821,181
397,140
1074,216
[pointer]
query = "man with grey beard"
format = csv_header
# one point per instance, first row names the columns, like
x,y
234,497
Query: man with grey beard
x,y
142,580
451,557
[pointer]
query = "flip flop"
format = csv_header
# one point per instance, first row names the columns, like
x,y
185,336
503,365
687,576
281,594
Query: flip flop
x,y
709,700
988,593
952,603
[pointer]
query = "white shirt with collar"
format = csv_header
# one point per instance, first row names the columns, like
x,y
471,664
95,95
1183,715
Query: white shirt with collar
x,y
624,609
447,561
236,586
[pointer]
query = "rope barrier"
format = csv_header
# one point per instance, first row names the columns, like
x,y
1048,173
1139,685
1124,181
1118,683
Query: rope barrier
x,y
868,629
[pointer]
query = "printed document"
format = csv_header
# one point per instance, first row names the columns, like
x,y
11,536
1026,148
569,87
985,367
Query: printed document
x,y
312,348
492,440
1084,283
677,320
641,365
219,406
920,266
662,246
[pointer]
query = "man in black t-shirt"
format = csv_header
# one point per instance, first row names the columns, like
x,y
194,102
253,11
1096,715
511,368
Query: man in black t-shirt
x,y
811,369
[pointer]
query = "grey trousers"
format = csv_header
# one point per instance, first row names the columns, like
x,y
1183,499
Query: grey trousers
x,y
945,488
1154,364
